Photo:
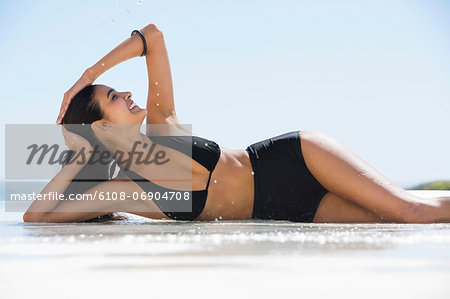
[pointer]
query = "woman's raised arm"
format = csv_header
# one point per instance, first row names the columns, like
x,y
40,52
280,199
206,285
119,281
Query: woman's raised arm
x,y
129,48
160,99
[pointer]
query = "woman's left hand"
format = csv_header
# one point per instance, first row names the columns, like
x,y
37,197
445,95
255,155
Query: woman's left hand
x,y
86,79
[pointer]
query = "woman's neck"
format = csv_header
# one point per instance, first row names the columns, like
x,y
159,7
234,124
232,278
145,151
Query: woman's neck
x,y
130,149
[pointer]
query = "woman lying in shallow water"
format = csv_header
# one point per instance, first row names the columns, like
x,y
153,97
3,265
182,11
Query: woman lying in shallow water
x,y
300,176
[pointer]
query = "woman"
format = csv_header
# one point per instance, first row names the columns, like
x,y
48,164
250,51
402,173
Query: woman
x,y
299,176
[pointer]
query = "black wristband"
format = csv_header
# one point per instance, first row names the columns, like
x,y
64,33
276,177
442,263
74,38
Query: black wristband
x,y
143,40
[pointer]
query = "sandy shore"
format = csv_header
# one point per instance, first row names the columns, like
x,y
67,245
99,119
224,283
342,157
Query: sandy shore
x,y
224,259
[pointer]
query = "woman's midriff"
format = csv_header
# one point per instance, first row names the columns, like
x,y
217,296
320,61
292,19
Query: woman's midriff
x,y
231,189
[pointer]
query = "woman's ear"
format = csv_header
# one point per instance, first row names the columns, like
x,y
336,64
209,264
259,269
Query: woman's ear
x,y
99,126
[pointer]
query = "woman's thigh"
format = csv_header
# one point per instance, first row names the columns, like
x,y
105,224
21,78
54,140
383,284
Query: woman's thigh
x,y
333,208
346,175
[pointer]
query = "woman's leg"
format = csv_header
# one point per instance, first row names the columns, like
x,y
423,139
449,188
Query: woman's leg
x,y
335,209
346,175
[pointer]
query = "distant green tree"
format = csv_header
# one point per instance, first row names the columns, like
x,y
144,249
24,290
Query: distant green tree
x,y
438,185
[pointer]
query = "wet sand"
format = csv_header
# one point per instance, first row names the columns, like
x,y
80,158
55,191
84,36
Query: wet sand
x,y
225,259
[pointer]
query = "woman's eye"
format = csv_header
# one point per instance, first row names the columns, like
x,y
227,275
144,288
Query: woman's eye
x,y
114,97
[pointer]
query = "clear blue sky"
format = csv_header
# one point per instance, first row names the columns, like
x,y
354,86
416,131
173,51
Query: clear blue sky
x,y
374,75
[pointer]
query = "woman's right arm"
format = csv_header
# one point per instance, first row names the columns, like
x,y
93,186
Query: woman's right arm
x,y
83,150
98,205
129,48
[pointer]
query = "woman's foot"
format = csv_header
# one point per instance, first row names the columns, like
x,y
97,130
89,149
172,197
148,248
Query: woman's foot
x,y
435,209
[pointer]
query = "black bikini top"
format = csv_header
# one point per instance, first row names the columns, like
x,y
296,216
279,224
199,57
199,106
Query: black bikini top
x,y
204,151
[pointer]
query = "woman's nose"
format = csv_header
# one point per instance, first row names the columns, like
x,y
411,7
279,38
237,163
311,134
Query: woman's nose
x,y
128,95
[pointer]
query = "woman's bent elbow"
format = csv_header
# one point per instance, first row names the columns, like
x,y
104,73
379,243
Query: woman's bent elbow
x,y
32,217
152,31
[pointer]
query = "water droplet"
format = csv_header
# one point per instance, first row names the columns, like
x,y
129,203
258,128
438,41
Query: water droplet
x,y
220,217
253,173
157,94
157,104
206,144
195,142
156,83
232,202
103,64
215,181
112,20
216,219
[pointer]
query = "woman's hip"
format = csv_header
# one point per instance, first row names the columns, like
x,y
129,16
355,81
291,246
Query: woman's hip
x,y
284,188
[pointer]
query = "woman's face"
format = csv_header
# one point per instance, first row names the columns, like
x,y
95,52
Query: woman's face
x,y
118,107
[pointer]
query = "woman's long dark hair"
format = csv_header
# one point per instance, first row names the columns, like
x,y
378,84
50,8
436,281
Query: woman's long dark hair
x,y
81,113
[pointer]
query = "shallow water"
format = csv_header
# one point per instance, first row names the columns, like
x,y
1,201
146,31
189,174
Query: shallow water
x,y
225,258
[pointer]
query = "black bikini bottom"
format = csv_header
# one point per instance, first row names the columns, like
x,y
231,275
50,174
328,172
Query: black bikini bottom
x,y
284,187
